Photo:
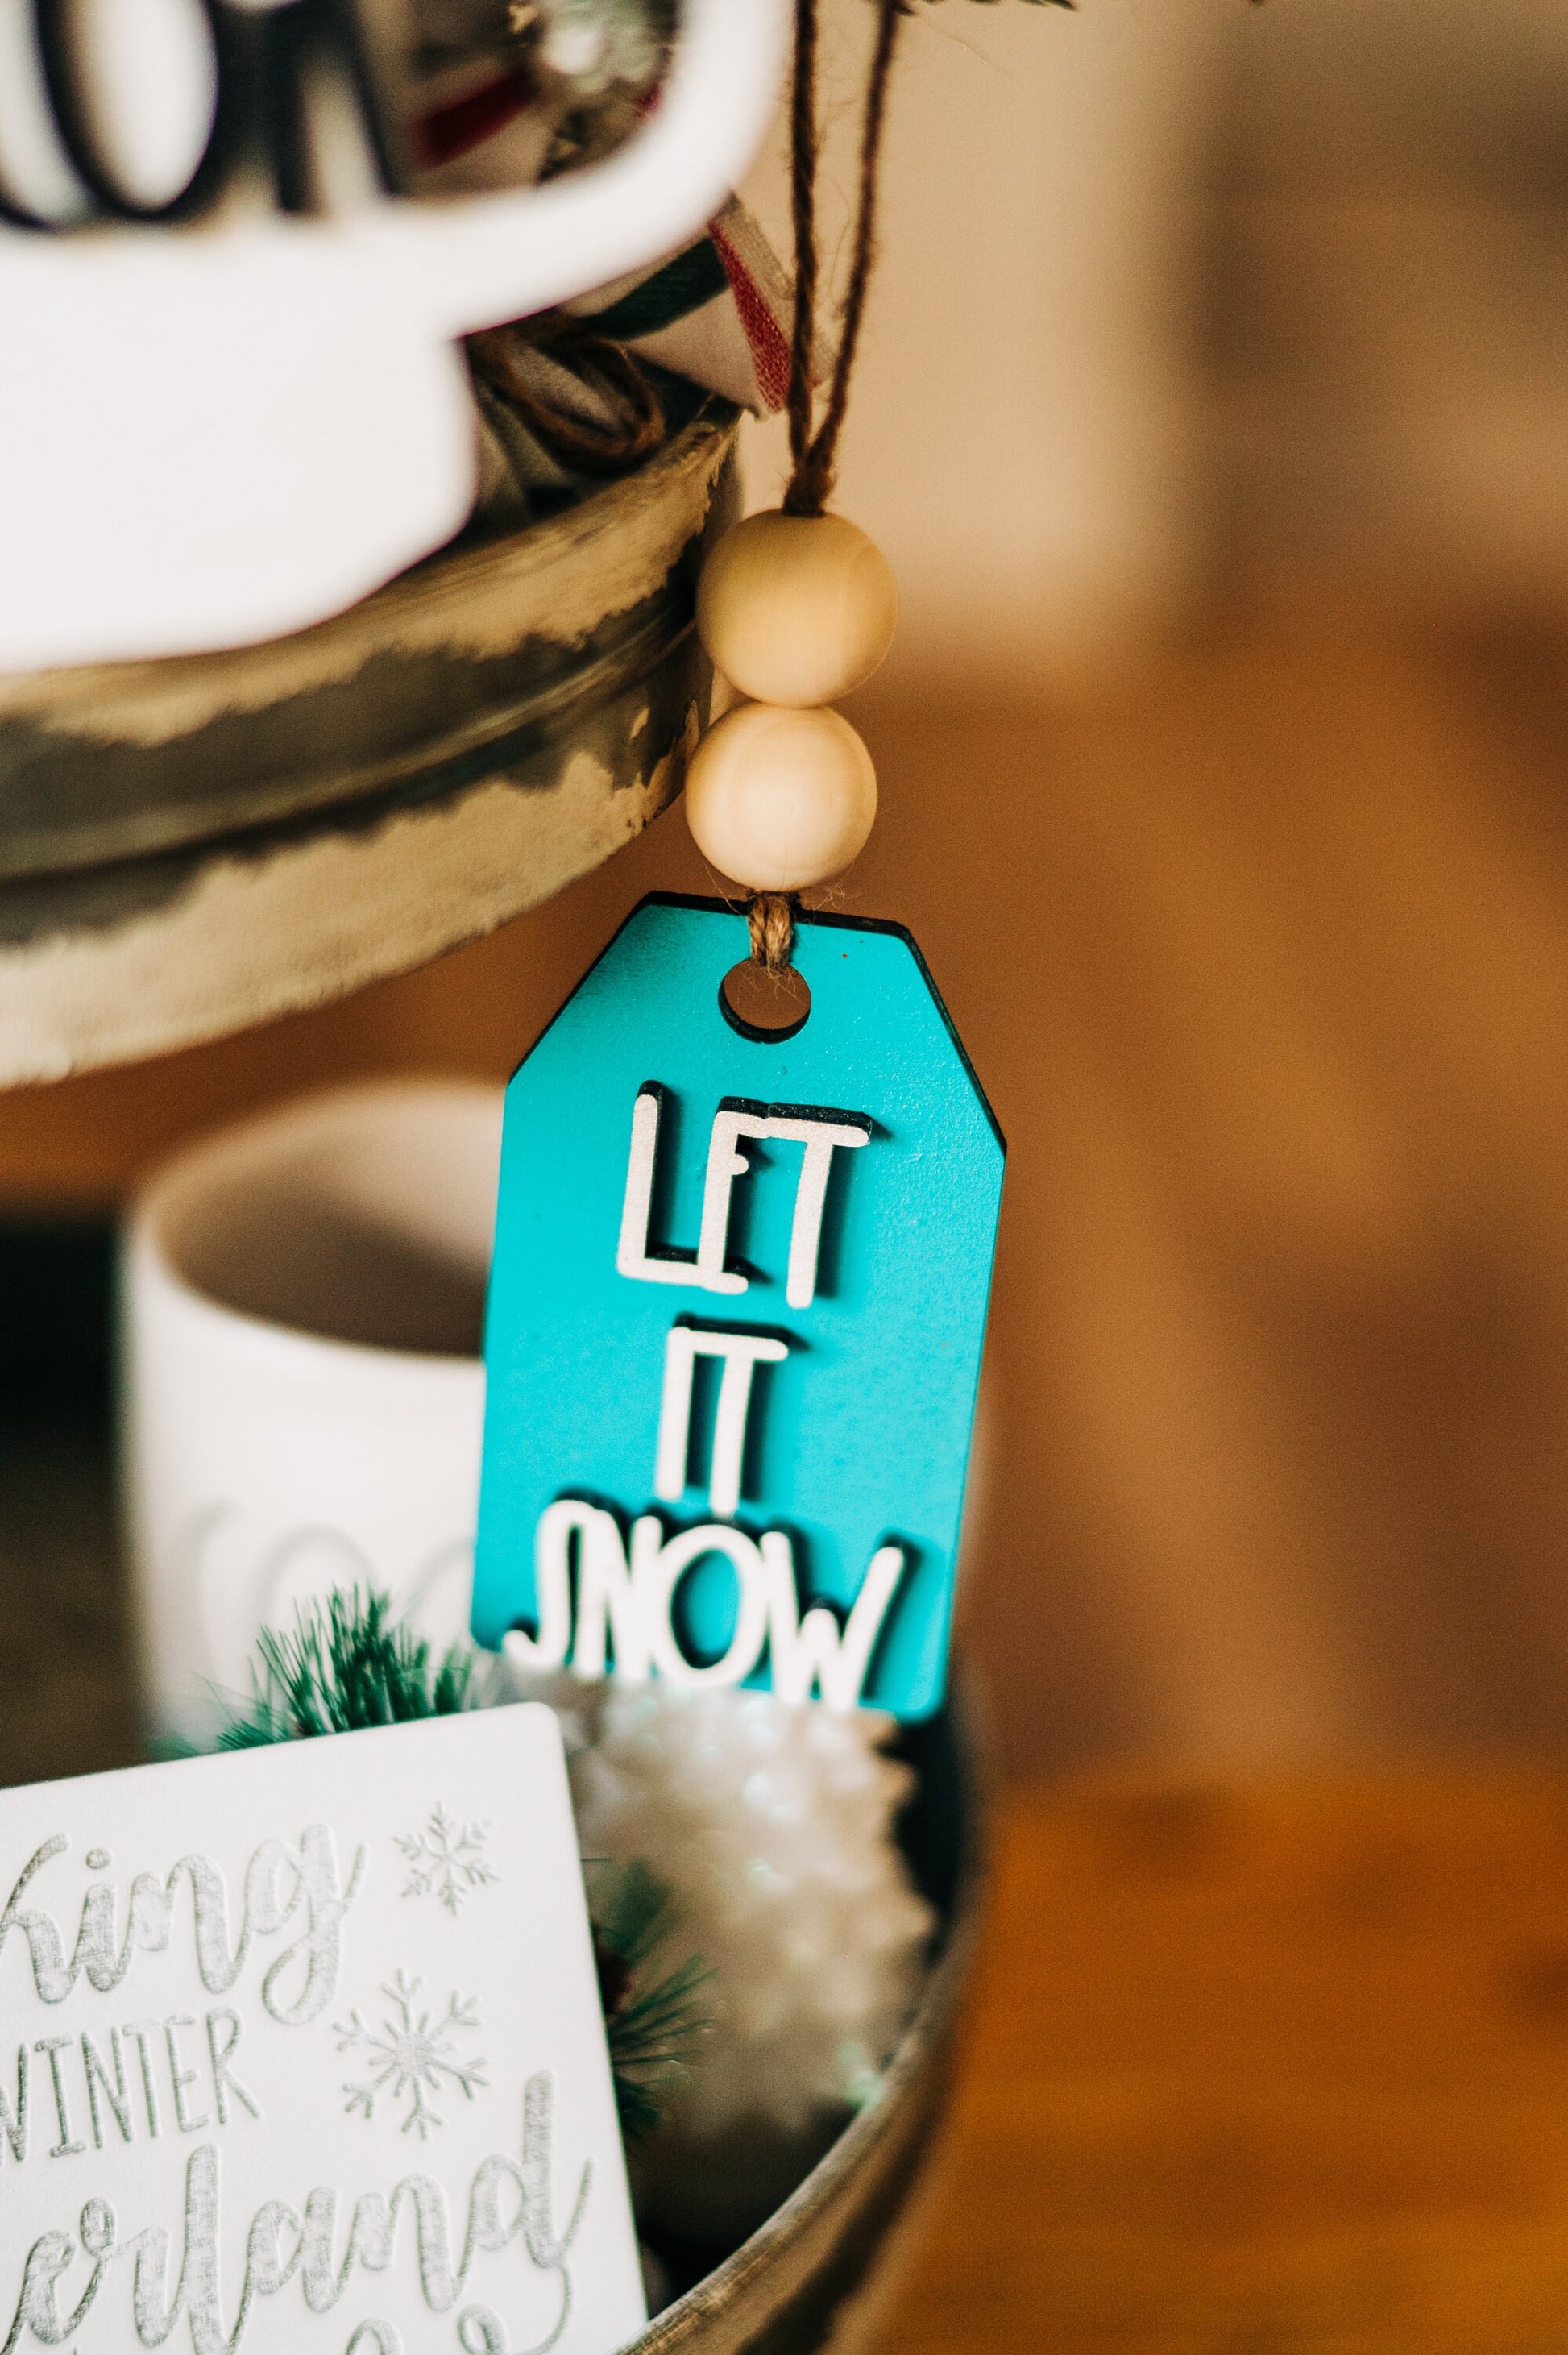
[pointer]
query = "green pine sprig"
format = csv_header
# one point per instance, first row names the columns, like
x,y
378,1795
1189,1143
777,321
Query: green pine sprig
x,y
349,1663
652,2025
346,1664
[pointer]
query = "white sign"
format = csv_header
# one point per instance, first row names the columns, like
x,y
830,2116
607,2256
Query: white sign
x,y
218,428
301,2048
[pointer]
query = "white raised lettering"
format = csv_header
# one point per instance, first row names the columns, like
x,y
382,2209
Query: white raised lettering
x,y
632,1256
607,1603
731,1123
742,1353
630,1602
821,1138
814,1650
558,1525
821,1134
658,1567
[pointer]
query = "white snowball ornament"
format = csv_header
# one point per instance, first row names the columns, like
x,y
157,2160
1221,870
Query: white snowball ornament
x,y
771,1826
781,799
797,610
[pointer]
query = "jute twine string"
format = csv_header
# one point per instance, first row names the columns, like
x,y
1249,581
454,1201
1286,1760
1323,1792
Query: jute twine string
x,y
813,446
771,916
814,455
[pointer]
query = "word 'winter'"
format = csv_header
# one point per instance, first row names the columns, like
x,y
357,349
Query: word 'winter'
x,y
138,2082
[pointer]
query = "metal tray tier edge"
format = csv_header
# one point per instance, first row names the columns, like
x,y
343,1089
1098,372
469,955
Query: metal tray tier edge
x,y
194,846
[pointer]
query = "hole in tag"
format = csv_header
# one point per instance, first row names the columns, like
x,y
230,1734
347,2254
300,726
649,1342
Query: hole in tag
x,y
766,1006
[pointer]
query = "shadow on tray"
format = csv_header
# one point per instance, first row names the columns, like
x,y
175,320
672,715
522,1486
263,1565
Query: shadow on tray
x,y
66,1703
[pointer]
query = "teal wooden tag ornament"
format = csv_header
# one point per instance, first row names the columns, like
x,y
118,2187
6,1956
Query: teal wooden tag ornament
x,y
735,1322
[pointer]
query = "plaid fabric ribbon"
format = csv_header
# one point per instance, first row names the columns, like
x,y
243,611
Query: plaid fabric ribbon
x,y
719,313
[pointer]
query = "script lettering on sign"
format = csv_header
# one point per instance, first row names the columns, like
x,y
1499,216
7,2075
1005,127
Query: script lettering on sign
x,y
760,1482
257,2084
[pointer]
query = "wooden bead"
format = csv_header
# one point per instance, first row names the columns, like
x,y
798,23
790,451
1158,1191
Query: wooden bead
x,y
797,609
781,799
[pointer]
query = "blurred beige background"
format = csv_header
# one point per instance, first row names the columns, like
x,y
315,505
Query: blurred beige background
x,y
1215,414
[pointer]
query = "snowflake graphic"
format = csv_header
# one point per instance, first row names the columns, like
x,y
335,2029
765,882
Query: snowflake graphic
x,y
445,1860
409,2056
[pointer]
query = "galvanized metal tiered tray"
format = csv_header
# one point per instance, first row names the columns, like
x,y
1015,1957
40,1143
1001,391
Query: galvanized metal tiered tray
x,y
191,845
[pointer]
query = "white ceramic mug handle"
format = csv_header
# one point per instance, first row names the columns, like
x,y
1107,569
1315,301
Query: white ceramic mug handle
x,y
472,263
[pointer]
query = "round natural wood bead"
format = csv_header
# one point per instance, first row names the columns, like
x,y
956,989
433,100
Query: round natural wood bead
x,y
797,609
781,799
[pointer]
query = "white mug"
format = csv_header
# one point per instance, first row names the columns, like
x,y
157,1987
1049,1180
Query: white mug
x,y
215,429
303,1388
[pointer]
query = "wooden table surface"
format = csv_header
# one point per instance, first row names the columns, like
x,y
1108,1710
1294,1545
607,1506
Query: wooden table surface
x,y
1262,2070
